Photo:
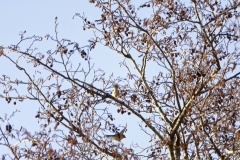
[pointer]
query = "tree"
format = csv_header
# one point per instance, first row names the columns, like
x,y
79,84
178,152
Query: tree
x,y
189,108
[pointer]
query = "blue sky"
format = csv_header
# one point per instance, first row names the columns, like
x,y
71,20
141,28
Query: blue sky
x,y
37,18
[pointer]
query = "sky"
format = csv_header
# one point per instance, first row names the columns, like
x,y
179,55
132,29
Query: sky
x,y
37,18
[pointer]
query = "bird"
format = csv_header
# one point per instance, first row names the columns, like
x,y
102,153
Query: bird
x,y
115,92
118,136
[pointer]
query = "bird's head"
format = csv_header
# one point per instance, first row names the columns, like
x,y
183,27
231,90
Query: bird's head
x,y
122,136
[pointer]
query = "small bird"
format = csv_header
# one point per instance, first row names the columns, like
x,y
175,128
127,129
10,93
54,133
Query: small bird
x,y
118,136
115,92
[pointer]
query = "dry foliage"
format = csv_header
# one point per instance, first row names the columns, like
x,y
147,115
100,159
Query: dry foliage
x,y
190,106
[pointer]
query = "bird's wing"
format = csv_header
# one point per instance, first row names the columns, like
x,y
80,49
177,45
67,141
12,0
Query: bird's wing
x,y
122,131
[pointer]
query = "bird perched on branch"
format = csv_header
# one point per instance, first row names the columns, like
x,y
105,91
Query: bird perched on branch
x,y
118,136
115,92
